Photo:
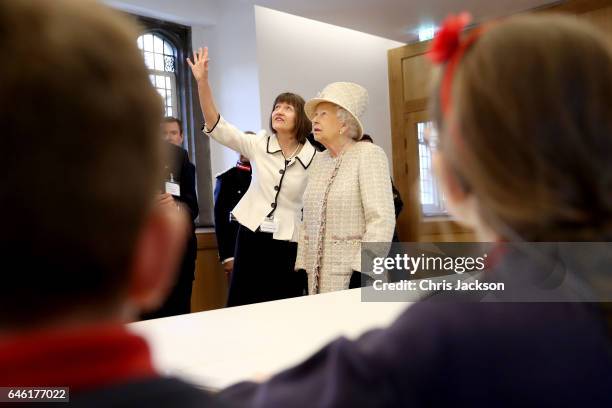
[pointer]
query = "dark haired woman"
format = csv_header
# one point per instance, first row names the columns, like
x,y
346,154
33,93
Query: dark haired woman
x,y
270,211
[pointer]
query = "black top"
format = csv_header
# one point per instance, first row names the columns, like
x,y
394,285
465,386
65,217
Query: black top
x,y
229,189
183,172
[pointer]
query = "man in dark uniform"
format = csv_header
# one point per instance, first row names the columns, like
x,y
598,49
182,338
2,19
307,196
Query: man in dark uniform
x,y
179,190
229,189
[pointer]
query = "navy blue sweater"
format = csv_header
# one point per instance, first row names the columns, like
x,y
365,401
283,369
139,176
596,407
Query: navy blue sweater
x,y
456,353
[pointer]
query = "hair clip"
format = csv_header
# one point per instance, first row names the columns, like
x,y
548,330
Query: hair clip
x,y
447,39
448,48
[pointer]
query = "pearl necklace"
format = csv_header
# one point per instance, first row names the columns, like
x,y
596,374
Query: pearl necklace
x,y
292,154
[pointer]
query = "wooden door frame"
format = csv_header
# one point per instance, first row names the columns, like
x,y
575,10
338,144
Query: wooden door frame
x,y
411,224
405,174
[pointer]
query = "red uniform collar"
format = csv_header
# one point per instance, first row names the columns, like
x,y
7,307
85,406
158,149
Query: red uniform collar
x,y
80,359
243,166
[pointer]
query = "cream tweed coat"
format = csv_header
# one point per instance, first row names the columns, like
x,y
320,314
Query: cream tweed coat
x,y
359,209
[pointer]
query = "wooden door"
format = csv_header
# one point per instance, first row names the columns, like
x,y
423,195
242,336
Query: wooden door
x,y
424,217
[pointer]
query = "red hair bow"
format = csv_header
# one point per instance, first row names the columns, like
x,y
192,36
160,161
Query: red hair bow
x,y
447,47
446,43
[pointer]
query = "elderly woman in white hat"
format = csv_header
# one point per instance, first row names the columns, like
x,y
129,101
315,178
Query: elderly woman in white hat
x,y
348,199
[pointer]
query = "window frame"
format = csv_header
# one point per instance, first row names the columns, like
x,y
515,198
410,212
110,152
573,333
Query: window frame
x,y
180,37
169,76
409,78
189,111
437,208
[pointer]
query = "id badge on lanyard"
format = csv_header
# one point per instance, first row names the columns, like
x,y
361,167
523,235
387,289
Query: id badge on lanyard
x,y
173,187
269,225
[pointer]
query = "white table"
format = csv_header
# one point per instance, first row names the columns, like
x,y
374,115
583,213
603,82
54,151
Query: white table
x,y
217,348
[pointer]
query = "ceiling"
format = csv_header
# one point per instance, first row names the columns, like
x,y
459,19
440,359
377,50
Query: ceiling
x,y
397,20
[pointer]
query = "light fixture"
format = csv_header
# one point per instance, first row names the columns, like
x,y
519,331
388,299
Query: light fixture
x,y
426,32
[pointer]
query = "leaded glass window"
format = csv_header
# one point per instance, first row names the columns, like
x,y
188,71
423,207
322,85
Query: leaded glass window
x,y
160,58
432,199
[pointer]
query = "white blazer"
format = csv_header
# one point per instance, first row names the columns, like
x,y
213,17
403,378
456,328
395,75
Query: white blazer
x,y
277,185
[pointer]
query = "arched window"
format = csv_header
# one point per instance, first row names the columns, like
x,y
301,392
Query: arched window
x,y
160,58
164,46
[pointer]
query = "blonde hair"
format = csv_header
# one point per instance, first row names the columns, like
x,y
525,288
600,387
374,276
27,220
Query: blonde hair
x,y
531,128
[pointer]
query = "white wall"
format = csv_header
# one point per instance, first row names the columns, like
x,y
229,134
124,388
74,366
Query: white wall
x,y
228,29
187,12
257,53
301,55
233,74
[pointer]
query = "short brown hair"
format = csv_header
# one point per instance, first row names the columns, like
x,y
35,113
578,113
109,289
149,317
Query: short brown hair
x,y
532,138
172,119
74,191
303,127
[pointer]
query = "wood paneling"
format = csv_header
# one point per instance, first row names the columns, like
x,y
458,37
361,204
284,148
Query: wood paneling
x,y
210,286
418,70
576,6
601,18
443,229
455,237
597,12
403,180
410,77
